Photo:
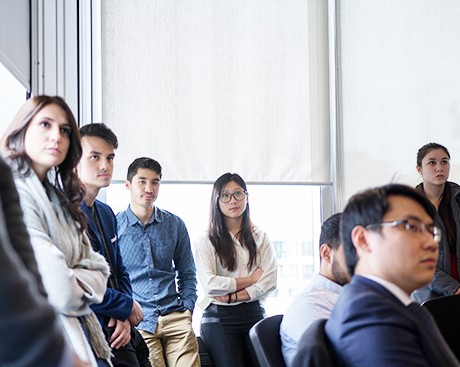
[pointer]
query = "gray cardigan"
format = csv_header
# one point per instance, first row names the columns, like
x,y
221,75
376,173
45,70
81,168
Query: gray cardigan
x,y
73,274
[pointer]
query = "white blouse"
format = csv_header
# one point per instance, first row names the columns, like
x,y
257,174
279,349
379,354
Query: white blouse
x,y
218,281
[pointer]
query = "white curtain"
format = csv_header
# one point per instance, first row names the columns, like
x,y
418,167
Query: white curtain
x,y
211,86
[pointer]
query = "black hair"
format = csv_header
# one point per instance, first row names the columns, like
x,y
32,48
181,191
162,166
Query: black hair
x,y
369,207
423,151
218,233
100,130
330,231
143,162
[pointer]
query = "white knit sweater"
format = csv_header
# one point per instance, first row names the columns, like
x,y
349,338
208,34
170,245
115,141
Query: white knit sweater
x,y
73,274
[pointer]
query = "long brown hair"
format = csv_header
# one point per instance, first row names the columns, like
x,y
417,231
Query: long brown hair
x,y
218,232
66,182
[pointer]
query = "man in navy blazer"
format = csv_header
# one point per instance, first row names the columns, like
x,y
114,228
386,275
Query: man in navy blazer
x,y
391,248
118,312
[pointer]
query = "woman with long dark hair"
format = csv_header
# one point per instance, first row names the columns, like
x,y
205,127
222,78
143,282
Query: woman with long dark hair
x,y
433,165
42,144
237,269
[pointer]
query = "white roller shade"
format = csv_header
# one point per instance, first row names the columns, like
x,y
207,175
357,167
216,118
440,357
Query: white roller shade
x,y
400,88
207,87
15,39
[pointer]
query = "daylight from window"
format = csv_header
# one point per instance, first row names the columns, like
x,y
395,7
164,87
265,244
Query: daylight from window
x,y
12,97
289,214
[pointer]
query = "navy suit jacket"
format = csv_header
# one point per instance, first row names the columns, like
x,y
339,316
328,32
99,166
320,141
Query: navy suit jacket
x,y
369,326
116,303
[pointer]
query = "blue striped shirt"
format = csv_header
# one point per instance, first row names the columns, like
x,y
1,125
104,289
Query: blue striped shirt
x,y
158,256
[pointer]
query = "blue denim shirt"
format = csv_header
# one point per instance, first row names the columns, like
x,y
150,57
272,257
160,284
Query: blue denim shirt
x,y
156,256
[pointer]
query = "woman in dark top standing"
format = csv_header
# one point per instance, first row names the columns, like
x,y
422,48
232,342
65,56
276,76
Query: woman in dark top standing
x,y
433,164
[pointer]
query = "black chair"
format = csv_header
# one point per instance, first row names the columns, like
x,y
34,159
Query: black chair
x,y
446,313
265,338
314,349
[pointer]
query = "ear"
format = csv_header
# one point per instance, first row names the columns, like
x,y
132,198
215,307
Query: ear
x,y
359,238
127,184
325,252
419,169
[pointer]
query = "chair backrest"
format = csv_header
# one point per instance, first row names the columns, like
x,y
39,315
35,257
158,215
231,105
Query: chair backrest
x,y
314,349
446,313
265,338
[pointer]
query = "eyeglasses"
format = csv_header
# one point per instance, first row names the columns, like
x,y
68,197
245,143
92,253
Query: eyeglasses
x,y
238,195
411,225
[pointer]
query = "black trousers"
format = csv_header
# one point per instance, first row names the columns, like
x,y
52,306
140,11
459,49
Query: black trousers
x,y
225,330
133,354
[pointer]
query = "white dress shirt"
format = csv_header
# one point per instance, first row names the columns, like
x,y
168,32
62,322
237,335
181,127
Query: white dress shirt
x,y
314,302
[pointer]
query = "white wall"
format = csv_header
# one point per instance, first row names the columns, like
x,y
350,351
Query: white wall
x,y
400,87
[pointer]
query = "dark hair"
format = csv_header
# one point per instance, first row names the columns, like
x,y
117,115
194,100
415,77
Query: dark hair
x,y
218,232
142,162
369,207
66,182
330,231
423,151
100,130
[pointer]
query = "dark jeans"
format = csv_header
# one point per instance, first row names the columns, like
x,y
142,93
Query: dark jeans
x,y
133,354
225,330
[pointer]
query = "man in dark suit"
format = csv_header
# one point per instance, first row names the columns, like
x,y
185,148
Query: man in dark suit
x,y
118,312
391,248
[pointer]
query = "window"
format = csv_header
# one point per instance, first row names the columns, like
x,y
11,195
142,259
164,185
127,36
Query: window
x,y
216,83
289,214
12,97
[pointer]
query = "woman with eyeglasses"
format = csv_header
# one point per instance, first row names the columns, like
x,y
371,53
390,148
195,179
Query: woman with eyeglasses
x,y
43,146
236,267
433,164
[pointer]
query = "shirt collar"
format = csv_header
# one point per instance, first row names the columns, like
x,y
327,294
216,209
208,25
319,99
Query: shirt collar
x,y
133,219
323,282
392,288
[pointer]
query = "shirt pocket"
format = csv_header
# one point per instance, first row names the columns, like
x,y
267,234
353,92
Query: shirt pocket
x,y
163,255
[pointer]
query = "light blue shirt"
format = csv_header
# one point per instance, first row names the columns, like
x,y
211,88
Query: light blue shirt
x,y
314,302
155,256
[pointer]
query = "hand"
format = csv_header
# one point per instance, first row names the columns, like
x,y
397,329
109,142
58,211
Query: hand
x,y
136,315
255,276
223,299
121,334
